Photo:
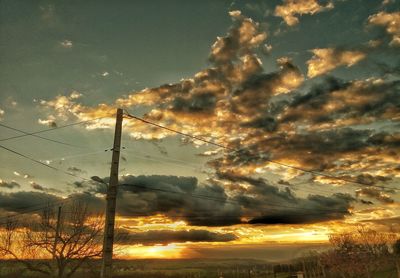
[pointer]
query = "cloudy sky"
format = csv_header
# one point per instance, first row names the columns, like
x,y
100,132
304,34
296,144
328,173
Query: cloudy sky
x,y
302,98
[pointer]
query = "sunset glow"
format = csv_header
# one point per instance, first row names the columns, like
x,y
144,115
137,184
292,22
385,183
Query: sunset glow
x,y
241,129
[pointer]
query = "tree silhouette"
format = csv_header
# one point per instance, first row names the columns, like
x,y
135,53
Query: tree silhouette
x,y
60,243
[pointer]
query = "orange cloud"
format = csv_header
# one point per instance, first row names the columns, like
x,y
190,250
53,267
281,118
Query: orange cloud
x,y
234,102
291,8
391,22
327,59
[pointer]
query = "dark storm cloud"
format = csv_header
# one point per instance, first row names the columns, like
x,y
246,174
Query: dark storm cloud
x,y
209,205
313,209
9,185
177,197
274,206
32,202
180,197
24,200
164,237
197,204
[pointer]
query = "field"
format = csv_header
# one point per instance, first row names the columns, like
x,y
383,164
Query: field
x,y
184,268
177,268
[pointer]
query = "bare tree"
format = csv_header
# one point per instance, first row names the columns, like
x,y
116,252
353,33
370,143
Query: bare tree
x,y
396,252
359,253
61,242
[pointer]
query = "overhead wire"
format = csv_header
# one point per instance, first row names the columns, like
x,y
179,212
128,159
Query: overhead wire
x,y
40,162
37,136
41,131
51,129
181,133
315,173
151,158
61,158
154,189
271,206
197,169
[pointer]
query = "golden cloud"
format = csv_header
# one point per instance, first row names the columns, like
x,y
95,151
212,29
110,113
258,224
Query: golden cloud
x,y
291,8
327,59
234,102
391,22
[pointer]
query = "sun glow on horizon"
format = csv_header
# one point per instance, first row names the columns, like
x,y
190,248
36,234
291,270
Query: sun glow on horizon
x,y
169,251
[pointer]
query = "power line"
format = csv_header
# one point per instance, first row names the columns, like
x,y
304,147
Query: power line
x,y
156,189
50,129
271,205
178,132
37,136
61,158
237,150
153,158
41,163
206,141
29,158
197,169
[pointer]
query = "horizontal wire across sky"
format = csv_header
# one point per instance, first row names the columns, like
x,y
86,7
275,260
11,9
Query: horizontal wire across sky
x,y
37,207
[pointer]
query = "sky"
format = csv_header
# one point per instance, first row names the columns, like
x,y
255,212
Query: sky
x,y
302,98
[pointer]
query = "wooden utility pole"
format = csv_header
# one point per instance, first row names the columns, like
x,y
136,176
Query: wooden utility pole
x,y
106,267
57,232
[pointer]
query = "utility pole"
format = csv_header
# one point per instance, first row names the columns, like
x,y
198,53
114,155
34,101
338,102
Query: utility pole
x,y
57,232
106,267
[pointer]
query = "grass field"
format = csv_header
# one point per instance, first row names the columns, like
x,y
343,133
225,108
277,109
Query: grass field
x,y
181,268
